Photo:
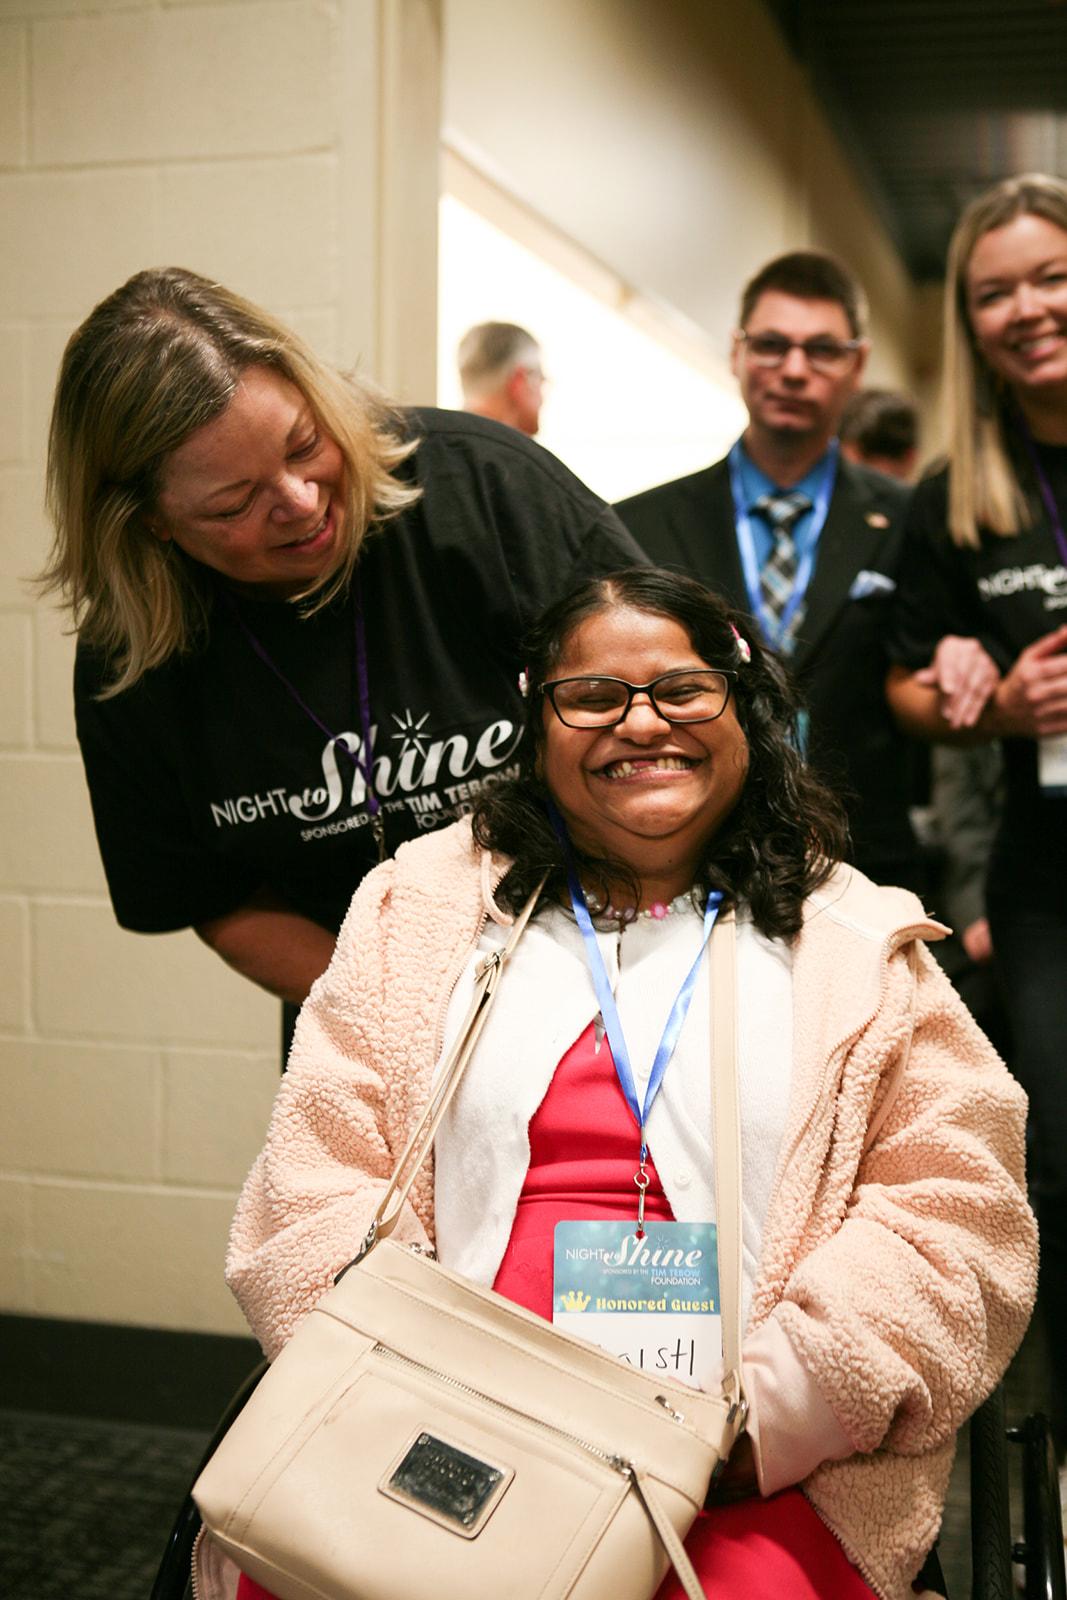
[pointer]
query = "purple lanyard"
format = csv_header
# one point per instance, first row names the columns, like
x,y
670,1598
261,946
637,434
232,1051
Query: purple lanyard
x,y
1052,510
362,760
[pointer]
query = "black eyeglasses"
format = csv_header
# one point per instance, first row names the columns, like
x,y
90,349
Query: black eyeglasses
x,y
829,356
688,696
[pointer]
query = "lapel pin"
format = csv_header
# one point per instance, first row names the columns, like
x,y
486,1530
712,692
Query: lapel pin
x,y
877,519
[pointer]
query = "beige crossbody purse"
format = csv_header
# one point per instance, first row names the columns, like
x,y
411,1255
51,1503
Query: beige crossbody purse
x,y
422,1438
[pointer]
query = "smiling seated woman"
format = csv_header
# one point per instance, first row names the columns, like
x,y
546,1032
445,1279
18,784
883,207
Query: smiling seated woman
x,y
888,1252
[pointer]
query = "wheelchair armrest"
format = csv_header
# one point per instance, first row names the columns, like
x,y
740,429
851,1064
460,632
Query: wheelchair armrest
x,y
173,1576
990,1506
1041,1550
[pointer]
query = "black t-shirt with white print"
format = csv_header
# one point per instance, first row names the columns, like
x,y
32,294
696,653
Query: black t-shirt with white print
x,y
1008,593
210,782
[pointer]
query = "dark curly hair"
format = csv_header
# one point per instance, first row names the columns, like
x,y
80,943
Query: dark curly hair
x,y
787,830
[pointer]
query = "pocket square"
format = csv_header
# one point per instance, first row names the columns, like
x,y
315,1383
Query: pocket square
x,y
867,583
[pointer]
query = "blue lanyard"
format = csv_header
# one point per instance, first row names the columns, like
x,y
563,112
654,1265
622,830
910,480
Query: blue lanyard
x,y
610,1012
775,630
613,1022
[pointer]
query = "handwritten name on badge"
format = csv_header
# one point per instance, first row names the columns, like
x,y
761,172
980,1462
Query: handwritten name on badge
x,y
652,1302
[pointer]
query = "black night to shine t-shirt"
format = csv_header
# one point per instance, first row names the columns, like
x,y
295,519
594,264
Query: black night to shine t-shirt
x,y
208,781
1007,593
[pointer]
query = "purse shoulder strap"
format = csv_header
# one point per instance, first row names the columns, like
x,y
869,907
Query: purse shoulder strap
x,y
726,1119
487,981
725,1115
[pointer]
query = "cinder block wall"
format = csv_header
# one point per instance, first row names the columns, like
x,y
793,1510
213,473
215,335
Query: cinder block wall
x,y
247,139
289,148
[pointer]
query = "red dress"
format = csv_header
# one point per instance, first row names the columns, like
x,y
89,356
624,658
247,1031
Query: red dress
x,y
758,1549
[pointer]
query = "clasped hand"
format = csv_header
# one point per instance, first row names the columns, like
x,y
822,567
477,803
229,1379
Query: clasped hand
x,y
965,676
1030,700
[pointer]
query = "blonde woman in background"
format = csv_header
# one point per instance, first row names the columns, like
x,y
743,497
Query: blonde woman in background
x,y
298,610
988,557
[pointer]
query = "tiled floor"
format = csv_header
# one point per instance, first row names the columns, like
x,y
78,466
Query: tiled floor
x,y
86,1506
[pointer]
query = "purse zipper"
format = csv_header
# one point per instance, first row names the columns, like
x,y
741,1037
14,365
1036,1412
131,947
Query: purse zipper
x,y
735,1402
618,1463
194,1583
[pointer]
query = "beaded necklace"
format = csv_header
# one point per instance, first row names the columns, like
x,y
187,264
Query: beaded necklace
x,y
658,911
618,918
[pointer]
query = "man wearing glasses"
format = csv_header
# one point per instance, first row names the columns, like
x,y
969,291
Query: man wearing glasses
x,y
805,542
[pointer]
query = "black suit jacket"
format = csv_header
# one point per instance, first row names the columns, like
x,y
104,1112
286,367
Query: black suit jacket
x,y
840,657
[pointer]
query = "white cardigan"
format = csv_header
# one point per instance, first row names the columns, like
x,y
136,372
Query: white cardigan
x,y
546,1000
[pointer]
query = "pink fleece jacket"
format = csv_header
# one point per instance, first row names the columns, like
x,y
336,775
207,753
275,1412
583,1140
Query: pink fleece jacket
x,y
899,1254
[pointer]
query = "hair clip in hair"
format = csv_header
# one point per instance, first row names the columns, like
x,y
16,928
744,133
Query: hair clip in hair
x,y
524,684
744,649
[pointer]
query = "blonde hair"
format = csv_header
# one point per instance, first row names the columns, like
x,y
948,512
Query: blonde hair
x,y
152,363
984,487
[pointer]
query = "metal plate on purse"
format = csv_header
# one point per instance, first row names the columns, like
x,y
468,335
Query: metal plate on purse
x,y
451,1487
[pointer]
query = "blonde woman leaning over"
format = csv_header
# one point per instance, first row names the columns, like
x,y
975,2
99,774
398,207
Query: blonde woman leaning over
x,y
297,608
988,557
888,1250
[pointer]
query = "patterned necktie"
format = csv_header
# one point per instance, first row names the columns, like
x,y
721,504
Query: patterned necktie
x,y
779,572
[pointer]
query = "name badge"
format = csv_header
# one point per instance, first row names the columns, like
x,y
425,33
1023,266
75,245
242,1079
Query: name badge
x,y
653,1302
1052,764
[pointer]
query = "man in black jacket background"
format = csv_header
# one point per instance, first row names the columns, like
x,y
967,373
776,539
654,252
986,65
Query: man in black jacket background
x,y
807,543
